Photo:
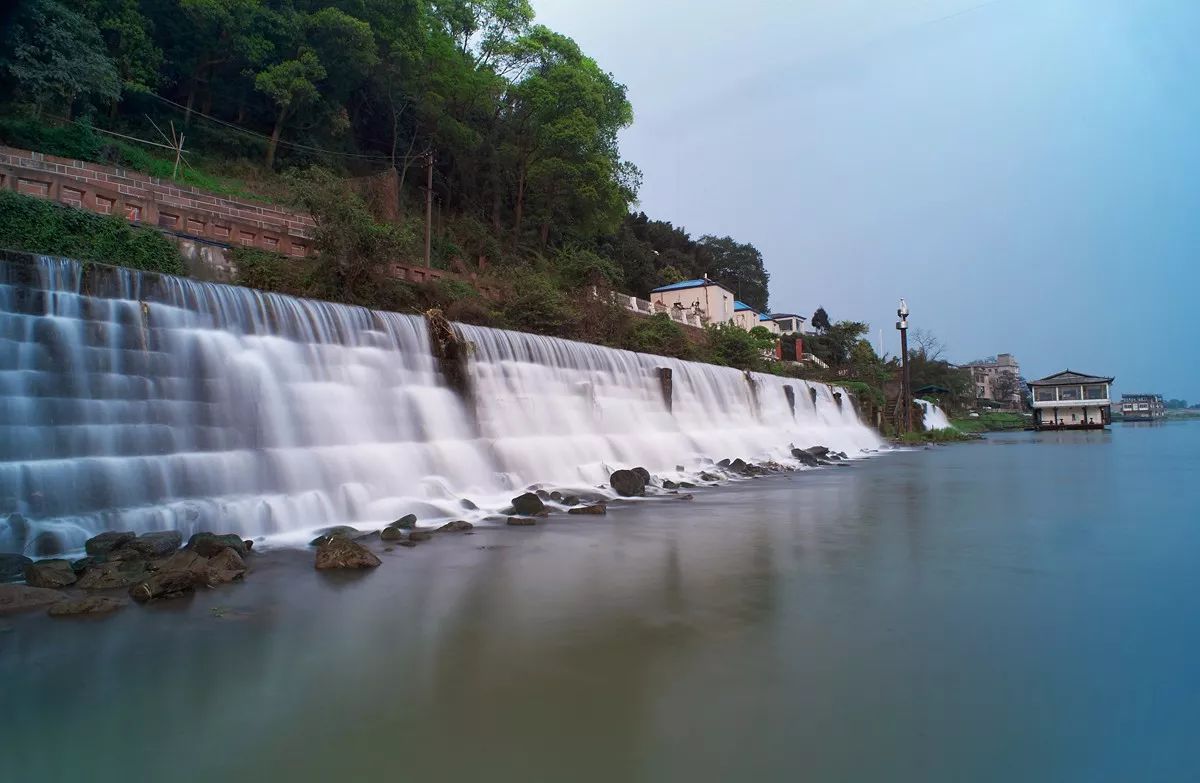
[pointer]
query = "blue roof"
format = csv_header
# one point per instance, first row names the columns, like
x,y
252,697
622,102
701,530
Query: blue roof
x,y
683,284
738,306
765,317
787,315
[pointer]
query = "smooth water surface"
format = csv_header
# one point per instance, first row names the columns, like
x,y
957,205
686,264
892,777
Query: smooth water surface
x,y
1020,609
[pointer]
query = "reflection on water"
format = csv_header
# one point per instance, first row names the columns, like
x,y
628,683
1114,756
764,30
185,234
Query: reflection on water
x,y
1017,609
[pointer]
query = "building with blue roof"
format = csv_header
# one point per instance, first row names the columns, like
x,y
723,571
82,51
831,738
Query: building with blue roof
x,y
711,300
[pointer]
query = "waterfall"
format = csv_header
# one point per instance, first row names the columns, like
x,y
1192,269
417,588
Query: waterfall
x,y
935,417
141,402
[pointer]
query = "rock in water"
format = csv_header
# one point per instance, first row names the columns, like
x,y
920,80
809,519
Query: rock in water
x,y
406,522
107,576
209,544
340,552
49,573
805,458
158,544
12,566
22,598
98,546
189,562
46,544
465,503
457,526
329,533
88,605
528,504
643,474
570,500
818,451
391,534
224,567
420,535
598,508
668,484
626,483
521,521
162,586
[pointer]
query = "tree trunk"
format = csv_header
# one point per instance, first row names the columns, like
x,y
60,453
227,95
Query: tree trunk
x,y
520,208
191,100
545,234
275,138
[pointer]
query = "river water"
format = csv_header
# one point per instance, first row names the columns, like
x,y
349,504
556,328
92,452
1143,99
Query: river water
x,y
1022,608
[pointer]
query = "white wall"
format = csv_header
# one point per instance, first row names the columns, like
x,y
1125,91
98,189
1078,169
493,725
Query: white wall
x,y
747,319
717,302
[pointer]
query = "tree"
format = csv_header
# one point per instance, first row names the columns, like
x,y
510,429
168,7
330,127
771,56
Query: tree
x,y
835,345
56,57
739,267
291,84
926,343
733,346
820,320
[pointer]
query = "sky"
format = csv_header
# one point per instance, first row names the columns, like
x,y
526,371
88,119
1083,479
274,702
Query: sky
x,y
1026,173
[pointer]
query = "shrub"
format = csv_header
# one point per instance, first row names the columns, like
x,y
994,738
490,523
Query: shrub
x,y
658,334
536,304
38,226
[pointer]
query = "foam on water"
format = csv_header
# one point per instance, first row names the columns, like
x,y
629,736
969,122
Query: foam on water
x,y
144,402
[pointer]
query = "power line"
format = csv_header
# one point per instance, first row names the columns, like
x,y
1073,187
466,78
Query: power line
x,y
282,142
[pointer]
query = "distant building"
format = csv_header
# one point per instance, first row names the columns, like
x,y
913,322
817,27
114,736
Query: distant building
x,y
788,322
1070,400
991,379
744,315
1142,407
765,322
711,300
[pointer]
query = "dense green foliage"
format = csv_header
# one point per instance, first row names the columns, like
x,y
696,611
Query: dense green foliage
x,y
520,124
38,226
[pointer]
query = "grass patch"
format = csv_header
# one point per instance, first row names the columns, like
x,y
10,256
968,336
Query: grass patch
x,y
936,436
82,142
995,421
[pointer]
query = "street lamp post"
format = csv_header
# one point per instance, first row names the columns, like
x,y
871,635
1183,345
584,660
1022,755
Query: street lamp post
x,y
906,383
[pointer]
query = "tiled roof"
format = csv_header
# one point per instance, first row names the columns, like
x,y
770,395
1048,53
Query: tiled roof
x,y
1069,376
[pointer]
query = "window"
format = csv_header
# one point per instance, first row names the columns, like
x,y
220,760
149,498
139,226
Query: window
x,y
1068,392
1045,394
1096,391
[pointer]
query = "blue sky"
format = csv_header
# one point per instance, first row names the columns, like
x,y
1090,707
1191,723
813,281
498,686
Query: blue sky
x,y
1025,172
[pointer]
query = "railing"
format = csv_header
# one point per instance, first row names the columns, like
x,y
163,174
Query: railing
x,y
643,307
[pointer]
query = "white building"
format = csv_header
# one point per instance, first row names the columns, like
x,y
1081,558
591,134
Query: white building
x,y
788,323
744,315
713,301
1070,400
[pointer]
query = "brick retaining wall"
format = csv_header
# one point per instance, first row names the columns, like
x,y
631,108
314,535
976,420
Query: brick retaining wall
x,y
150,201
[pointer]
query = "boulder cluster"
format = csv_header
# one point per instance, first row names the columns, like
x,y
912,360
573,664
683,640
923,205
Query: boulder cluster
x,y
149,567
637,482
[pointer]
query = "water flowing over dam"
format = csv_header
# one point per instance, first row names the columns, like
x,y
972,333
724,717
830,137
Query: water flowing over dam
x,y
935,417
140,402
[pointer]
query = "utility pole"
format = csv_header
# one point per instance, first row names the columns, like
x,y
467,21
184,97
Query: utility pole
x,y
428,209
906,383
